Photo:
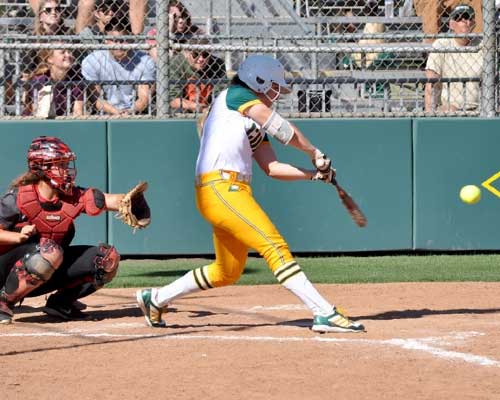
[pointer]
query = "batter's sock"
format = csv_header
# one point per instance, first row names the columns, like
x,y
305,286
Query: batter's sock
x,y
184,285
297,282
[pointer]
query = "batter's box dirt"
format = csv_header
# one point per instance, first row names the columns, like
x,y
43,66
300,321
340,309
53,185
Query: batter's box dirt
x,y
424,341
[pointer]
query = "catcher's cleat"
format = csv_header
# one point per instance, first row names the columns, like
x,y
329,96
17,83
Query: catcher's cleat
x,y
6,313
152,313
335,322
68,312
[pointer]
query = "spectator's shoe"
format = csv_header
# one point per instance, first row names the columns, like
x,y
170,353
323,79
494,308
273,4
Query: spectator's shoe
x,y
6,313
61,310
152,313
335,322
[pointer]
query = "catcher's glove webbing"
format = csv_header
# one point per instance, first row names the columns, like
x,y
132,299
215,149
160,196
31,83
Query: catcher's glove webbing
x,y
134,209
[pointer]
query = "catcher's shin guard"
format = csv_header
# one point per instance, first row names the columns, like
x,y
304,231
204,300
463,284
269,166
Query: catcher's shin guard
x,y
28,273
106,263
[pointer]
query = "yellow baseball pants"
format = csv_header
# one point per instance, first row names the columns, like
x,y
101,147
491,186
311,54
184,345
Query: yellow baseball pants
x,y
239,223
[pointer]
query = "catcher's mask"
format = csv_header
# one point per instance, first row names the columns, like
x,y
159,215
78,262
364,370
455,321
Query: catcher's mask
x,y
51,159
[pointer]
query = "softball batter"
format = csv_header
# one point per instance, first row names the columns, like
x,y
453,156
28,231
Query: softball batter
x,y
234,132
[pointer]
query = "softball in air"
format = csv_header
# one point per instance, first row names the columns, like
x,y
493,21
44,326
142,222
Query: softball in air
x,y
470,194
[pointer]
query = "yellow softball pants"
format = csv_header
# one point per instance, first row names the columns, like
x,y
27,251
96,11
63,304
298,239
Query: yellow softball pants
x,y
239,223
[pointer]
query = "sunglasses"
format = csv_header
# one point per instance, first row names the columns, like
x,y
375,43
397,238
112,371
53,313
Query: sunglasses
x,y
57,9
463,17
196,54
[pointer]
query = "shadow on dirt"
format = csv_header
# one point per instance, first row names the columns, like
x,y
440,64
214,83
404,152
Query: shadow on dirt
x,y
425,312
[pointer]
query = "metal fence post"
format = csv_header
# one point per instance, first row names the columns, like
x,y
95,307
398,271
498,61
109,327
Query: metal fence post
x,y
162,67
488,98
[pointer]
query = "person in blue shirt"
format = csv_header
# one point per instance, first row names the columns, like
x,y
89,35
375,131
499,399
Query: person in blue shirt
x,y
119,65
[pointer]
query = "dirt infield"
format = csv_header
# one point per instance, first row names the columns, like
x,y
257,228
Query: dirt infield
x,y
424,341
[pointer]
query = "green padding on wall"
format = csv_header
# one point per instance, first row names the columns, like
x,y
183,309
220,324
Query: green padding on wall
x,y
373,163
164,154
87,139
373,158
451,153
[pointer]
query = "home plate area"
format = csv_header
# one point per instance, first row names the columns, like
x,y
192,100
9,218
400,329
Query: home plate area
x,y
423,340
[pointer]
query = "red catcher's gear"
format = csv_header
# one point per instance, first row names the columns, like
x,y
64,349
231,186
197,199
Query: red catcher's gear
x,y
55,220
51,158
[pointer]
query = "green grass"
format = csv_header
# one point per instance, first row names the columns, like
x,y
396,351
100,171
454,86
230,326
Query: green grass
x,y
433,268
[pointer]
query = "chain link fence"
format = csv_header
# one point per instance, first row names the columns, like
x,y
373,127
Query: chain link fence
x,y
148,59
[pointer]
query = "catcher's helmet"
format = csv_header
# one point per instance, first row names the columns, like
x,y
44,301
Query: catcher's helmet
x,y
260,71
49,157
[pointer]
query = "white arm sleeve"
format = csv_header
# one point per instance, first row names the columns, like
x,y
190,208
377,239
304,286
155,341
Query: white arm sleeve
x,y
279,128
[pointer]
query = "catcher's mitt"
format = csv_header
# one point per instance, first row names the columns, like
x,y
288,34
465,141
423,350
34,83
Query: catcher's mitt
x,y
134,209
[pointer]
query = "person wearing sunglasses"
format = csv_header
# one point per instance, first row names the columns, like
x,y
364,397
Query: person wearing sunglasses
x,y
135,9
198,73
49,19
434,12
454,96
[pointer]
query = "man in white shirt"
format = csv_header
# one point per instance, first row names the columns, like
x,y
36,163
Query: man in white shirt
x,y
455,96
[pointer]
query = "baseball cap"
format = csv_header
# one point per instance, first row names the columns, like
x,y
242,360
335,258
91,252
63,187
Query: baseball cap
x,y
462,11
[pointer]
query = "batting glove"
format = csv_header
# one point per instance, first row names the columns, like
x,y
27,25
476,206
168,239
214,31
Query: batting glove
x,y
326,177
321,161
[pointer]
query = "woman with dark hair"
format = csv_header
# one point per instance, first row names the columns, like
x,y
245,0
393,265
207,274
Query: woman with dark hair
x,y
36,229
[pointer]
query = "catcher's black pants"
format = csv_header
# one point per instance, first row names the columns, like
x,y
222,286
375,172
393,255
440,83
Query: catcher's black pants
x,y
74,279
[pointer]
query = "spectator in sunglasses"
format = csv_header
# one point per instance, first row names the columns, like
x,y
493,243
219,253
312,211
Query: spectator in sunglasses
x,y
136,9
118,65
197,72
454,96
105,10
49,18
433,13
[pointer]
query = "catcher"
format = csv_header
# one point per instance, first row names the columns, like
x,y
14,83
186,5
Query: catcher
x,y
234,132
37,226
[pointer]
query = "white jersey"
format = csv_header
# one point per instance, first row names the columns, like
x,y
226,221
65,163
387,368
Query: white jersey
x,y
230,138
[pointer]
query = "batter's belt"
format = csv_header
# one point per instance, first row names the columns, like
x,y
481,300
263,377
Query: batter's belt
x,y
222,175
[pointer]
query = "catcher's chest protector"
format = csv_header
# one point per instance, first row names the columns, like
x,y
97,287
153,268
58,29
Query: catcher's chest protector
x,y
53,221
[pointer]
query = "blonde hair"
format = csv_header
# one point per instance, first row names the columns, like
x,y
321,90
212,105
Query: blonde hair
x,y
39,30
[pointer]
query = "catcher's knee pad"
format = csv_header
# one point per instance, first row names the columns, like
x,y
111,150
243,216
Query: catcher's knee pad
x,y
27,274
215,275
106,263
50,251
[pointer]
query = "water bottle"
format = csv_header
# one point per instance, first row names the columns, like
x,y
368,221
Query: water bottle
x,y
389,8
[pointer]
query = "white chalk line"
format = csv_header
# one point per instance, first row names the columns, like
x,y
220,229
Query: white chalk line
x,y
418,345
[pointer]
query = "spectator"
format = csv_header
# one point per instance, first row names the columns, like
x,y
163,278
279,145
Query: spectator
x,y
49,18
432,12
180,24
136,11
48,21
454,96
56,87
105,10
119,65
197,68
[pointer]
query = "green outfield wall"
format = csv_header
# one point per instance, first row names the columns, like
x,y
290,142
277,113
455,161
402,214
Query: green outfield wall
x,y
405,174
